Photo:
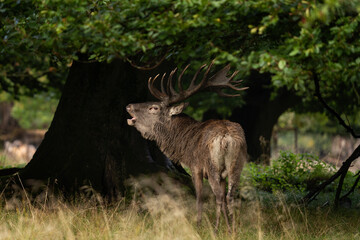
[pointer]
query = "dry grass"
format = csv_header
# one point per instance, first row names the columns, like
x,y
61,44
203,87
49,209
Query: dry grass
x,y
162,210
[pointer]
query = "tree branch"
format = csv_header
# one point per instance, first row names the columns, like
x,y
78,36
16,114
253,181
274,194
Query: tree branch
x,y
339,188
330,109
147,68
345,167
353,187
311,195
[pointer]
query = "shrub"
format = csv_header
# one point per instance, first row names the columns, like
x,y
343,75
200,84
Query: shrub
x,y
290,172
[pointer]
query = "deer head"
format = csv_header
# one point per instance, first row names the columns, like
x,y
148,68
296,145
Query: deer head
x,y
146,115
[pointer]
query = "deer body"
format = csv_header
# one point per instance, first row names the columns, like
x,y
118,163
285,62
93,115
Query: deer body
x,y
214,149
192,143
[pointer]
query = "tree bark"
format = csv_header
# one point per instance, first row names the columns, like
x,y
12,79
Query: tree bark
x,y
260,113
89,141
7,123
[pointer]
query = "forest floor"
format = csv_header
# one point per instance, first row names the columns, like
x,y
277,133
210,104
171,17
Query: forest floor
x,y
168,212
162,210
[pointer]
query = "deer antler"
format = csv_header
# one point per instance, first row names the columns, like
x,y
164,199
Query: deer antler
x,y
215,83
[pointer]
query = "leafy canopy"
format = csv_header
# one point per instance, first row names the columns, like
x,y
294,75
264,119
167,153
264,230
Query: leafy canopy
x,y
39,39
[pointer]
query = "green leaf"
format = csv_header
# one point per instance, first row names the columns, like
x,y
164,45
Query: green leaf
x,y
294,52
282,64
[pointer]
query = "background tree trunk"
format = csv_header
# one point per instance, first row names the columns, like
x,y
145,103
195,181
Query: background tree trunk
x,y
7,123
260,113
89,141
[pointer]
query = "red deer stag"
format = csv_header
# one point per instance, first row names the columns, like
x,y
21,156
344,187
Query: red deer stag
x,y
215,149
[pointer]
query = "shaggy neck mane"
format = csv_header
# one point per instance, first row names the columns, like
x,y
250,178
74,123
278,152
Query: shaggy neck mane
x,y
176,138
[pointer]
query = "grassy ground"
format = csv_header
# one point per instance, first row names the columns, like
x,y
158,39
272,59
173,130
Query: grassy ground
x,y
161,209
7,162
165,211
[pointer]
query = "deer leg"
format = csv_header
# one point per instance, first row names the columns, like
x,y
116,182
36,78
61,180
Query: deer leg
x,y
197,177
233,183
234,172
230,203
224,207
218,188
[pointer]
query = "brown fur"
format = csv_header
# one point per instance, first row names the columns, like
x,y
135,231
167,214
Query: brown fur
x,y
215,149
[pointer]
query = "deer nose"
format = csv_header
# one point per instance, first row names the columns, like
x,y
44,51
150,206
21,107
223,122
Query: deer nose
x,y
129,108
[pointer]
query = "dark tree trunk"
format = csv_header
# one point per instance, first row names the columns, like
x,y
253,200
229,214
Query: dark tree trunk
x,y
89,142
7,123
260,113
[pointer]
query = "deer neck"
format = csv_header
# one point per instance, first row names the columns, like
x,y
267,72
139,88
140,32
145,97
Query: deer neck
x,y
175,137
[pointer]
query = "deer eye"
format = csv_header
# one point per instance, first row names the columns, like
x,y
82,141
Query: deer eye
x,y
153,109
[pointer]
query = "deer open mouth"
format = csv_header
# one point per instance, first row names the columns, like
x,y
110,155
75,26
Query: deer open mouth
x,y
130,110
131,122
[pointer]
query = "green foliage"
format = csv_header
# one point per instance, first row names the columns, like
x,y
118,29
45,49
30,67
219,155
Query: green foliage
x,y
201,103
36,112
290,172
318,144
316,122
39,39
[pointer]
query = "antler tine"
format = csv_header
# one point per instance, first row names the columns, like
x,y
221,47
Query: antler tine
x,y
184,94
162,84
220,80
195,76
206,73
170,78
155,92
170,90
180,76
237,82
222,94
237,85
192,89
234,84
216,82
233,75
236,88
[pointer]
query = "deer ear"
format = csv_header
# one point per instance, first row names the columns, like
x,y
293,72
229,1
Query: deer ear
x,y
175,110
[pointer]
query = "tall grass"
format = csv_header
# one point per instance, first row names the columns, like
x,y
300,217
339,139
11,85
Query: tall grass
x,y
160,209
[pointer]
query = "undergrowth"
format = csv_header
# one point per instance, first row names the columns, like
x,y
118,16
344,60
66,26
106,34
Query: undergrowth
x,y
295,173
160,208
163,210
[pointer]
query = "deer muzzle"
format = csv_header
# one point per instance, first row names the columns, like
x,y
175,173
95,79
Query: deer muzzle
x,y
130,110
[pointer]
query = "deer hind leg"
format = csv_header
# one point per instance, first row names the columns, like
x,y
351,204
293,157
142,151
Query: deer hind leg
x,y
218,187
224,207
230,201
233,182
197,177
